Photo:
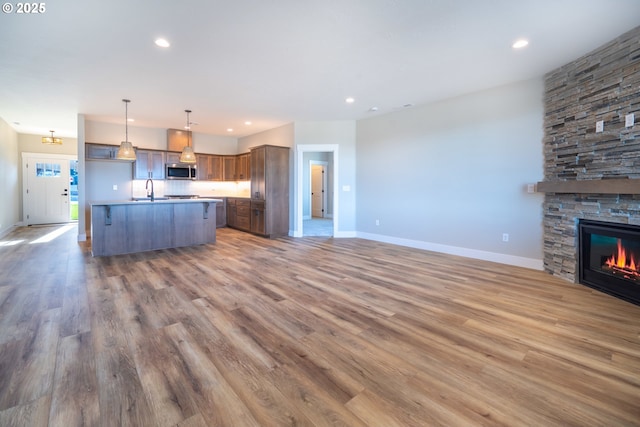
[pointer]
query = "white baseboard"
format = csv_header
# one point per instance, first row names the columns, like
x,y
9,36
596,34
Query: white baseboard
x,y
8,230
82,237
305,217
536,264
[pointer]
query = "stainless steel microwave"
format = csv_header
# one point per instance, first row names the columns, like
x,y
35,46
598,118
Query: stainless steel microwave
x,y
180,171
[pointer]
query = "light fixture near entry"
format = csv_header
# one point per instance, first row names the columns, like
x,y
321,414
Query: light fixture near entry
x,y
51,139
187,155
126,151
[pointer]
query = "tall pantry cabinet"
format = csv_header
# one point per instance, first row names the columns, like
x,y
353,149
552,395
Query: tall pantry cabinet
x,y
270,190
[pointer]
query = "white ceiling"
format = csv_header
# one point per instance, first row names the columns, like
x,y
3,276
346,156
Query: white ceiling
x,y
277,61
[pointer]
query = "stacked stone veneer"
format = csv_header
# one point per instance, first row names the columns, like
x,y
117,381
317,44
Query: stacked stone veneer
x,y
603,85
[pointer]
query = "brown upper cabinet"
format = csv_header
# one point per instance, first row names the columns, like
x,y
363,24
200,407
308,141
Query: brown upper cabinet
x,y
243,167
229,168
210,167
177,139
149,164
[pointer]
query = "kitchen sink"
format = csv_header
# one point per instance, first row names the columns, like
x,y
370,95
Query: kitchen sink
x,y
148,199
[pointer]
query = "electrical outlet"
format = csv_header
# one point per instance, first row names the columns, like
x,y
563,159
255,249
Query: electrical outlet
x,y
115,187
599,126
505,237
377,222
629,120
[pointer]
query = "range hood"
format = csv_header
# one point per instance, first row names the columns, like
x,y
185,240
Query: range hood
x,y
177,139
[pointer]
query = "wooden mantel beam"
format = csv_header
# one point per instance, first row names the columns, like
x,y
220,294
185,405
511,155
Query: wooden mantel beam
x,y
591,186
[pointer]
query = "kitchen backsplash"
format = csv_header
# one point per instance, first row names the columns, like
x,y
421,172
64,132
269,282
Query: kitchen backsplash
x,y
200,188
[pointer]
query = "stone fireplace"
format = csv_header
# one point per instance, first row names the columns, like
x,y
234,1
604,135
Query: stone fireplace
x,y
590,175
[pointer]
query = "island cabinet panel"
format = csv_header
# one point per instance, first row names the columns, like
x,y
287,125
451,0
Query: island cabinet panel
x,y
137,227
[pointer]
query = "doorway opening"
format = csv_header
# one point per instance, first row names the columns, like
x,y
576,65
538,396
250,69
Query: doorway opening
x,y
317,202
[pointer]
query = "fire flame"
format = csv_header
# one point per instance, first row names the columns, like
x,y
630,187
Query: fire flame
x,y
622,260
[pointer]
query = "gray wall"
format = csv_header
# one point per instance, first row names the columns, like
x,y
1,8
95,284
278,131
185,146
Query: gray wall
x,y
340,133
452,176
9,183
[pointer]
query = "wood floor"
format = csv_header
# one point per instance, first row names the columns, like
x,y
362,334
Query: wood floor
x,y
304,332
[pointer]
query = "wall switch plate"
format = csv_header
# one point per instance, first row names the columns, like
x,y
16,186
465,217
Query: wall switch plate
x,y
505,237
377,222
600,126
531,188
115,187
629,120
346,188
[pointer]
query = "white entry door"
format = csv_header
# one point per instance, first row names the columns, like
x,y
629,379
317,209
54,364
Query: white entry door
x,y
317,190
47,190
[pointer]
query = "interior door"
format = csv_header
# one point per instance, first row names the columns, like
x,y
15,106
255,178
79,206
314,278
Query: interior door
x,y
317,191
47,190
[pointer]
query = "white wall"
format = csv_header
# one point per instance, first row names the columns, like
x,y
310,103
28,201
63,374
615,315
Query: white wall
x,y
452,176
9,184
281,136
156,138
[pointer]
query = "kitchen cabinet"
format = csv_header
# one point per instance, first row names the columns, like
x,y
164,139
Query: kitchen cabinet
x,y
221,214
210,167
101,151
231,212
258,220
239,213
173,157
149,164
129,227
270,190
229,168
243,171
177,139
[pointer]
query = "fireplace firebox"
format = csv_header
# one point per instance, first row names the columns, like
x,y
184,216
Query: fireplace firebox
x,y
609,258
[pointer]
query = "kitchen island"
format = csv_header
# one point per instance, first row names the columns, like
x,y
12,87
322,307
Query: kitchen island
x,y
128,226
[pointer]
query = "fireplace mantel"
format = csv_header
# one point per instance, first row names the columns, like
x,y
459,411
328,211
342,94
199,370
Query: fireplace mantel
x,y
591,186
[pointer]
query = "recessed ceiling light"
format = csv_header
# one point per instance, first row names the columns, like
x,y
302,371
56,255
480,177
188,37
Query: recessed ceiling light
x,y
248,123
229,129
131,120
350,100
162,42
519,44
373,109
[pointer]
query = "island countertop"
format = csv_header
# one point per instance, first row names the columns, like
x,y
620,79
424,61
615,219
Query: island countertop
x,y
144,200
129,226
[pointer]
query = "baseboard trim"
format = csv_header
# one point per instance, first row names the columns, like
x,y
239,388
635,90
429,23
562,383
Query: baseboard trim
x,y
518,261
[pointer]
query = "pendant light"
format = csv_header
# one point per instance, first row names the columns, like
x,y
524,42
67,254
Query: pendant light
x,y
51,139
187,155
126,151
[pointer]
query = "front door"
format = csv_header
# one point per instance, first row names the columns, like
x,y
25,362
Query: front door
x,y
47,190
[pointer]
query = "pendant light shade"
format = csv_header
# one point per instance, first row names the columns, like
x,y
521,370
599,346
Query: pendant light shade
x,y
187,155
51,139
126,150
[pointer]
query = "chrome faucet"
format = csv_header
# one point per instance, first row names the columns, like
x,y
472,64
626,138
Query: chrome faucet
x,y
146,187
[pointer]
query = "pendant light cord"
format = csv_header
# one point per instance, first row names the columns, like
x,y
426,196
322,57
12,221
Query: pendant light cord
x,y
188,128
126,119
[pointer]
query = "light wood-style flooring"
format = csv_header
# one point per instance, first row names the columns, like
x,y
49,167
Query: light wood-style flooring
x,y
304,332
